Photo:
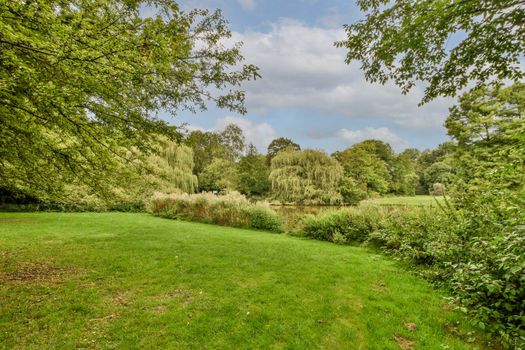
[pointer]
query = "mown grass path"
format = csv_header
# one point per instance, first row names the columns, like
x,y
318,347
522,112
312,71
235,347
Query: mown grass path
x,y
126,281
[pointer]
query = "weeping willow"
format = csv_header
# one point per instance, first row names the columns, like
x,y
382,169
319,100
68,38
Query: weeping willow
x,y
306,177
173,166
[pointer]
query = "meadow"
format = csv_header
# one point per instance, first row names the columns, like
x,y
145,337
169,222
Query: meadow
x,y
117,280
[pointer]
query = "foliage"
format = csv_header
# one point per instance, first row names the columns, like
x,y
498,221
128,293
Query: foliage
x,y
252,175
306,177
233,141
206,147
278,145
173,166
404,173
446,44
232,209
436,166
350,225
82,82
263,217
352,193
219,176
489,125
367,170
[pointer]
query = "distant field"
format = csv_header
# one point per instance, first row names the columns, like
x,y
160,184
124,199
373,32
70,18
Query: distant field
x,y
415,200
133,281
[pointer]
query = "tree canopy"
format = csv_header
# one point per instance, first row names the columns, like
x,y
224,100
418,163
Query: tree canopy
x,y
489,126
306,177
82,82
445,44
278,145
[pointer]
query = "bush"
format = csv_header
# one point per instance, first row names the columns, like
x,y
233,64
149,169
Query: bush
x,y
264,218
232,209
342,226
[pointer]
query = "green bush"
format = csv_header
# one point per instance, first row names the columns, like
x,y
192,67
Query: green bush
x,y
264,218
232,209
342,226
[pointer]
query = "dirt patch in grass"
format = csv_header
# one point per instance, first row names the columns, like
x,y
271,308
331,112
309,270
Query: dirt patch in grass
x,y
404,343
32,271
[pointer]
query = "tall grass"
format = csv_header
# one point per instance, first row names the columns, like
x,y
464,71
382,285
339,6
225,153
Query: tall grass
x,y
232,209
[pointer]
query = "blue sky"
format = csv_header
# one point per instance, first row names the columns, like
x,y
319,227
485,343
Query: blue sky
x,y
306,92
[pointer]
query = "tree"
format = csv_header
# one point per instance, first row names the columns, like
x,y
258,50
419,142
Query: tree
x,y
233,141
175,165
253,173
404,173
445,44
489,127
377,147
219,176
436,166
366,169
306,177
81,82
278,145
206,146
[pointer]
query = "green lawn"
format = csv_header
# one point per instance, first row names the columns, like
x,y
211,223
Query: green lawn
x,y
420,200
126,281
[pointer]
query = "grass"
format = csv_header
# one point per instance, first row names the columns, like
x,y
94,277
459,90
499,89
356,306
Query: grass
x,y
133,281
420,200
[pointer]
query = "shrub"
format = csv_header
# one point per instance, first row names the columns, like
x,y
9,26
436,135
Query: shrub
x,y
232,209
264,218
342,226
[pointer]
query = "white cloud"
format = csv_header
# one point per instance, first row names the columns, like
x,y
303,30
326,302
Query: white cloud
x,y
301,68
384,134
247,4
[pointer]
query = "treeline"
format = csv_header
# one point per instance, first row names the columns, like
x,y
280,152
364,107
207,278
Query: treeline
x,y
225,162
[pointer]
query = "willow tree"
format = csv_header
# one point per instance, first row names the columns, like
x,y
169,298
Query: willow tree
x,y
175,167
81,82
306,177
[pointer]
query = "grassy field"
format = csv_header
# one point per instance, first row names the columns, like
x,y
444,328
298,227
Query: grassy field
x,y
127,281
420,200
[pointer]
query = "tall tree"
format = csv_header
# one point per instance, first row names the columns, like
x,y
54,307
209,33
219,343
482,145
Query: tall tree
x,y
404,173
206,146
253,173
366,170
232,138
489,127
81,81
306,177
220,175
278,145
445,44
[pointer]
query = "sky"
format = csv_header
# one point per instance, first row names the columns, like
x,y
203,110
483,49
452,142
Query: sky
x,y
307,93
